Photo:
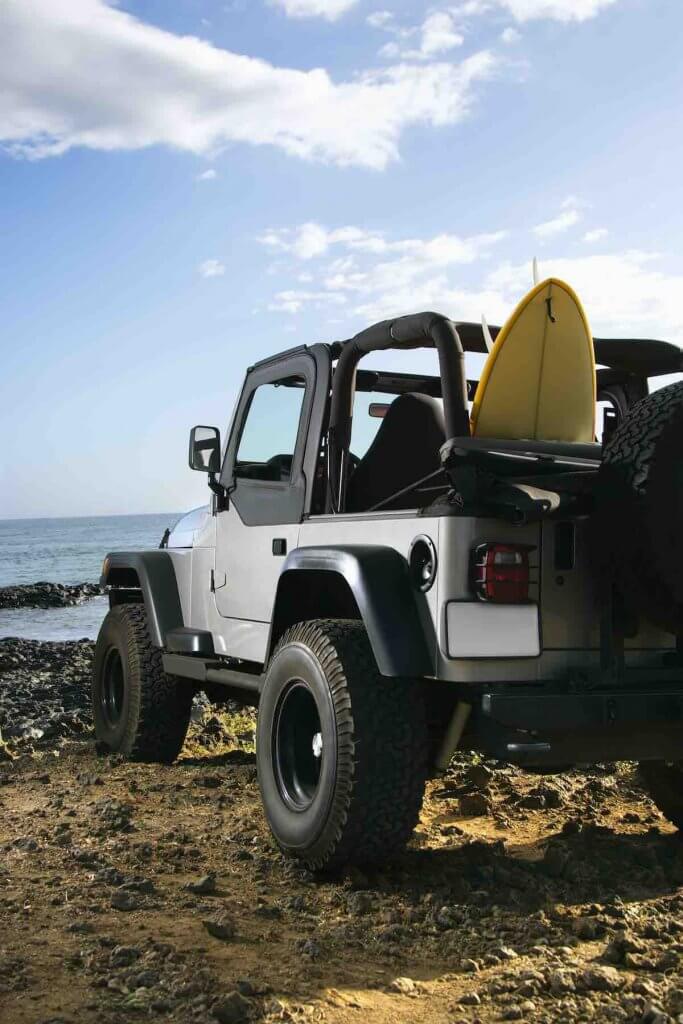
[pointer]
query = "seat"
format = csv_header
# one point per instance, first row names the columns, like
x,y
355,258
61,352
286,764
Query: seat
x,y
405,449
539,380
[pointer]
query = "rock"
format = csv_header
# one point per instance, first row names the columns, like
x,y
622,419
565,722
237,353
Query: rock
x,y
560,982
474,805
588,928
47,595
445,918
654,1015
555,860
532,802
124,956
470,999
220,926
309,947
479,776
145,979
513,1012
205,886
602,979
126,901
359,903
403,986
621,946
142,885
232,1009
470,966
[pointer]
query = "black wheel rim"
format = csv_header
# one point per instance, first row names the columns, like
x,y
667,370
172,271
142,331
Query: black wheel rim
x,y
112,692
298,746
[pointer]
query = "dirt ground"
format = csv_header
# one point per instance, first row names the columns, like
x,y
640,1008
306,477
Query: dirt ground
x,y
132,892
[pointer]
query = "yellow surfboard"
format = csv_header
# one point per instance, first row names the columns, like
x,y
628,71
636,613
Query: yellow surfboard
x,y
539,380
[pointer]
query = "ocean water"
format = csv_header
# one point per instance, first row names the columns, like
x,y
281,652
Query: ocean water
x,y
67,551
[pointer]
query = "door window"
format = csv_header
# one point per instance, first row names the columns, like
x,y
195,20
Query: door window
x,y
268,439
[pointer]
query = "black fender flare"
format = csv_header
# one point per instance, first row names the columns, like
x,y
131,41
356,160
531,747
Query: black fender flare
x,y
153,573
394,614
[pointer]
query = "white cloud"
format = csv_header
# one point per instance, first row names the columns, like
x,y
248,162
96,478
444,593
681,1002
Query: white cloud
x,y
624,294
379,19
207,175
294,300
437,34
82,73
376,272
549,228
595,235
330,9
559,10
312,240
510,35
211,268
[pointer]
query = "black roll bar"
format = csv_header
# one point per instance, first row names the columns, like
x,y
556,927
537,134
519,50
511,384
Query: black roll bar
x,y
419,330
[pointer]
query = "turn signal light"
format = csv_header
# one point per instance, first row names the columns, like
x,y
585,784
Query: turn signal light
x,y
500,573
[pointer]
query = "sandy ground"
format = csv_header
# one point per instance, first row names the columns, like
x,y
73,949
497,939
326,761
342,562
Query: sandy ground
x,y
134,892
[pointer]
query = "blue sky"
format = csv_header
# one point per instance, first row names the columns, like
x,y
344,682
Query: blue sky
x,y
188,187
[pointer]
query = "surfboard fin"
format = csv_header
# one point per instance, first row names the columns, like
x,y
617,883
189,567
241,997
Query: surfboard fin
x,y
534,271
488,340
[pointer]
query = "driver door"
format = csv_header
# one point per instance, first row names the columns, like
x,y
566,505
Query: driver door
x,y
263,475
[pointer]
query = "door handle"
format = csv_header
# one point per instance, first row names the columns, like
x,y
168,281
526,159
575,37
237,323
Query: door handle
x,y
217,581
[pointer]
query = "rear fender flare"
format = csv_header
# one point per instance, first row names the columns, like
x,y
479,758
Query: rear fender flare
x,y
394,613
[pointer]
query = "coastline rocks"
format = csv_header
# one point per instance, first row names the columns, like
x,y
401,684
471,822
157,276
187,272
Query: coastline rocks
x,y
44,691
47,595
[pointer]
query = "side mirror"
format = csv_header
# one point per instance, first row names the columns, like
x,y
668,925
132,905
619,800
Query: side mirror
x,y
205,449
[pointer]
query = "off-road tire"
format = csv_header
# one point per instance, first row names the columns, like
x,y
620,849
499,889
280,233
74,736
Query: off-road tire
x,y
138,709
374,740
664,783
637,539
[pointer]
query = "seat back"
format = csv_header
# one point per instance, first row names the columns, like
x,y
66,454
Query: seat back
x,y
404,450
539,380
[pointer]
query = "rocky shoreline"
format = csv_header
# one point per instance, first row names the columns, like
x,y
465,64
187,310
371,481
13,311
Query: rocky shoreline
x,y
132,891
44,691
47,595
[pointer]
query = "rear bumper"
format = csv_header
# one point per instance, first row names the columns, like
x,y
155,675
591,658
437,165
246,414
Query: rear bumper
x,y
536,726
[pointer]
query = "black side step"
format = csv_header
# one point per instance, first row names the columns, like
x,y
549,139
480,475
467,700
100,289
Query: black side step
x,y
205,671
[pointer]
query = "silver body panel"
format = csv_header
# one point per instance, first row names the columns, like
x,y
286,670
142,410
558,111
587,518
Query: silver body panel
x,y
470,642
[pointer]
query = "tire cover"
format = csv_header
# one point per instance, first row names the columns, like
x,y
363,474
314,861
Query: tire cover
x,y
638,520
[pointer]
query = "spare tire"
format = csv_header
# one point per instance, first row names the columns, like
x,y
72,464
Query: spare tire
x,y
638,520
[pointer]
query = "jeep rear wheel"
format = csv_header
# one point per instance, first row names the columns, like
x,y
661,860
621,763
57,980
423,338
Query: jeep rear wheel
x,y
138,710
341,751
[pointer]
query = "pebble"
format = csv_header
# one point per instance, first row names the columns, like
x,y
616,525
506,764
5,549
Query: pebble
x,y
470,999
602,979
403,986
126,901
206,885
232,1009
220,926
474,805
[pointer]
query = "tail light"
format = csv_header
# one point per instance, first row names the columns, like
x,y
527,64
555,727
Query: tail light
x,y
500,573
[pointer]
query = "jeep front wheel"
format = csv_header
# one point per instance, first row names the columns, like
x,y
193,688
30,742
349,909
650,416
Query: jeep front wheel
x,y
138,710
341,751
